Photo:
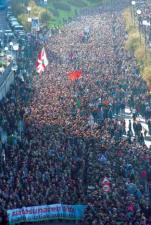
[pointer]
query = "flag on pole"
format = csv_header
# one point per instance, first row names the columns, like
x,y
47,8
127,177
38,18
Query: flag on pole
x,y
42,61
75,75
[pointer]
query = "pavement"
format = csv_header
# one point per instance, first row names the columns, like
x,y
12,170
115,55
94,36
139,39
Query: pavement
x,y
127,115
3,20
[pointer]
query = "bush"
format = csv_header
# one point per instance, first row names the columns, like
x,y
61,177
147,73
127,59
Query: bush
x,y
140,52
147,74
45,17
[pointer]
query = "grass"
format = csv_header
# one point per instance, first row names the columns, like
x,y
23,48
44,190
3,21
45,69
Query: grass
x,y
59,10
136,44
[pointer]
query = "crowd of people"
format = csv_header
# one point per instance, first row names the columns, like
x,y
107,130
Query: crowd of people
x,y
60,138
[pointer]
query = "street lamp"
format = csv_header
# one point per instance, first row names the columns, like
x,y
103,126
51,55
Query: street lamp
x,y
16,48
146,24
29,9
133,3
139,12
29,19
11,46
14,70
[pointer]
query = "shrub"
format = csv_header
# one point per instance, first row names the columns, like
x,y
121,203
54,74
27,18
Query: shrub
x,y
147,74
45,17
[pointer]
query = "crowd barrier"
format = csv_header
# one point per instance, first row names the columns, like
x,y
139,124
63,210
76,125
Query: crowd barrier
x,y
6,79
46,212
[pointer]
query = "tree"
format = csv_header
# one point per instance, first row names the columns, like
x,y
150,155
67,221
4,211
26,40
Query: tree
x,y
45,17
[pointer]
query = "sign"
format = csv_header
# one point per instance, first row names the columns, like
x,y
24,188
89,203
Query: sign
x,y
46,212
35,24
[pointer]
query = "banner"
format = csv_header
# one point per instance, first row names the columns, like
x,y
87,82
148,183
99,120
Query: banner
x,y
46,212
35,24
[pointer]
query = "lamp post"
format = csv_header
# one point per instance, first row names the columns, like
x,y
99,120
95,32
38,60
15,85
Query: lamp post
x,y
29,19
139,12
45,2
146,24
133,3
16,48
11,47
28,10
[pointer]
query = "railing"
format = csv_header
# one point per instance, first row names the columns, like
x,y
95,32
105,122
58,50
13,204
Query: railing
x,y
6,79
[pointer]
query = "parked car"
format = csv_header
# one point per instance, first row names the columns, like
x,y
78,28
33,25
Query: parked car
x,y
18,28
13,24
8,37
11,18
8,15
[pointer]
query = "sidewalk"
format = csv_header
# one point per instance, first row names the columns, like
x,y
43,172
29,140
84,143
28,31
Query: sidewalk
x,y
128,116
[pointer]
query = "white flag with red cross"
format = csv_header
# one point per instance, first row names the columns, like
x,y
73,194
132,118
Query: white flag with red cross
x,y
42,61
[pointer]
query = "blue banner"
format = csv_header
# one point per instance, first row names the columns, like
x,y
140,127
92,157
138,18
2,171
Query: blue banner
x,y
46,212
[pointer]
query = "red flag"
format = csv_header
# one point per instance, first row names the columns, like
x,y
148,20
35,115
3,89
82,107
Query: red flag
x,y
75,75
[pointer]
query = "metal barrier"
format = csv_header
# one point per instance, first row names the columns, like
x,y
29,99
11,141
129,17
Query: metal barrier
x,y
6,79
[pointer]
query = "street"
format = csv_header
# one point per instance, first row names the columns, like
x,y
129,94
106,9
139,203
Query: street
x,y
3,21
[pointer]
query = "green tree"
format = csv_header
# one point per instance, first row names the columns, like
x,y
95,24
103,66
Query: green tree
x,y
45,17
17,7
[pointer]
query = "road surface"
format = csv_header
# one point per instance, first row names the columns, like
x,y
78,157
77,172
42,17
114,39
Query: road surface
x,y
3,20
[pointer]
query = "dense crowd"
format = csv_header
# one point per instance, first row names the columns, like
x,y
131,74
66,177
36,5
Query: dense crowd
x,y
61,138
145,7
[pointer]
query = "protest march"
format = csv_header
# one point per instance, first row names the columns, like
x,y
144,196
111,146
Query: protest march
x,y
74,159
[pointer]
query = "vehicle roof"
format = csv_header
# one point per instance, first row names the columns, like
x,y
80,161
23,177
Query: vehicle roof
x,y
12,17
14,23
8,31
19,26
